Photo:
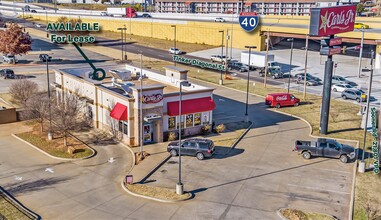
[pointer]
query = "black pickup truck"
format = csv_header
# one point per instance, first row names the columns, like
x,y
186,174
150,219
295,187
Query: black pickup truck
x,y
324,148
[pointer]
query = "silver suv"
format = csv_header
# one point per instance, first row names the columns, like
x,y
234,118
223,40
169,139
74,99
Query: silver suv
x,y
354,94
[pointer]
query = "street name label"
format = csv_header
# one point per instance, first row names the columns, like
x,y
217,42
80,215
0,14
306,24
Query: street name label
x,y
200,63
376,162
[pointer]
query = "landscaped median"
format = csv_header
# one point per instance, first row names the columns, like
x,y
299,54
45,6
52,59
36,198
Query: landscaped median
x,y
294,214
55,148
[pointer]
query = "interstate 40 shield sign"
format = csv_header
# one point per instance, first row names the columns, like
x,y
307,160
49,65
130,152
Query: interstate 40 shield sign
x,y
248,20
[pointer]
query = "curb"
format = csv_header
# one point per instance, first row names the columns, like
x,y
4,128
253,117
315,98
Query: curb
x,y
154,199
284,218
240,137
51,156
133,157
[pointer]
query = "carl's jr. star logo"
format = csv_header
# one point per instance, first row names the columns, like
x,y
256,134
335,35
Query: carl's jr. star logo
x,y
324,21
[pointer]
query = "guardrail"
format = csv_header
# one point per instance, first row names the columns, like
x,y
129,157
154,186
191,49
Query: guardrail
x,y
20,207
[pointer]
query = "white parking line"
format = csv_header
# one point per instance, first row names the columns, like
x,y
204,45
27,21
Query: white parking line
x,y
320,189
161,56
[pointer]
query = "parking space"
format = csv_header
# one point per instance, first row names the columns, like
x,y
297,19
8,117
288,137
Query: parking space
x,y
262,174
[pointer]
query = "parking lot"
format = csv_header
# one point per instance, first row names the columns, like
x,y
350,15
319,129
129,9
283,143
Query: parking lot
x,y
262,174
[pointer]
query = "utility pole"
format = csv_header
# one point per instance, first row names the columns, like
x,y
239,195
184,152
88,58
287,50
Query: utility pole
x,y
226,63
360,56
267,56
141,107
305,69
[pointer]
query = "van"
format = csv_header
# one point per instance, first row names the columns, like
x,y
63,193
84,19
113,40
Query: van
x,y
281,99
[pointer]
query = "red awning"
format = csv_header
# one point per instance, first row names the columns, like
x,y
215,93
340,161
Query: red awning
x,y
248,3
191,106
188,3
119,112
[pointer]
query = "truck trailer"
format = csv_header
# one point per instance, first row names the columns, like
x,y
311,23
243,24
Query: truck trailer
x,y
257,60
123,12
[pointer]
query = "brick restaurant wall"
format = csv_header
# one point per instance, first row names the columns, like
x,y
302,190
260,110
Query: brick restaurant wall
x,y
8,115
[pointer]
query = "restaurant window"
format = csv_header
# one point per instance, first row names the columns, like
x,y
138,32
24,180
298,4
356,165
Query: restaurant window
x,y
125,127
120,126
178,121
205,118
189,120
171,123
197,119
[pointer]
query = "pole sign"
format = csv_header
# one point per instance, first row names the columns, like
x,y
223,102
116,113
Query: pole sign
x,y
332,20
376,162
248,20
335,41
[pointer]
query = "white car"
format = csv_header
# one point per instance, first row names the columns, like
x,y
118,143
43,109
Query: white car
x,y
40,25
219,58
341,87
176,51
219,20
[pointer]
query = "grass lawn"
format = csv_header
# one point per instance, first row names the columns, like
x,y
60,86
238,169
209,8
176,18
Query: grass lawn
x,y
155,192
6,101
293,214
55,147
367,195
9,211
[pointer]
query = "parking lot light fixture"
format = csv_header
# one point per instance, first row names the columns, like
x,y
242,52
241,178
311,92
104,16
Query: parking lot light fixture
x,y
222,54
174,39
247,86
179,185
289,75
45,58
122,39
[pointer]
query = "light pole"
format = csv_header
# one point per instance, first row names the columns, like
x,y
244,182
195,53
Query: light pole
x,y
362,162
222,55
247,86
226,51
121,38
179,185
305,69
141,106
360,55
289,75
45,58
267,51
125,40
174,39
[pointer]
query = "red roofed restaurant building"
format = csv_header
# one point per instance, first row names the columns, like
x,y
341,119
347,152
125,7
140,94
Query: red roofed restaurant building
x,y
113,103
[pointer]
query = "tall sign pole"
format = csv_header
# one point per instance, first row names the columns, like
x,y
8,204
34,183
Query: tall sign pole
x,y
329,21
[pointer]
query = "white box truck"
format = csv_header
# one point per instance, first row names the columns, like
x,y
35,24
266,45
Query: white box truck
x,y
257,60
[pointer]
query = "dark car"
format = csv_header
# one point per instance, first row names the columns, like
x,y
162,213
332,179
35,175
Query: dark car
x,y
325,148
33,11
145,15
198,147
309,76
309,81
43,57
7,73
238,66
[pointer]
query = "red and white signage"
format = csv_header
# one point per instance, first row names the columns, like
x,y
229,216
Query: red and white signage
x,y
335,41
332,20
154,98
335,50
281,98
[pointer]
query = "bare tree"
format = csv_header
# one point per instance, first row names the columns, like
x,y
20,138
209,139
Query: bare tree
x,y
370,204
22,90
37,109
68,114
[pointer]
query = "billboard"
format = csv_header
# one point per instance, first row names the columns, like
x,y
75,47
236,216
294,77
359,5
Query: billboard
x,y
332,20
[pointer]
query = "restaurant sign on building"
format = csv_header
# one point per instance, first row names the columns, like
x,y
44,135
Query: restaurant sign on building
x,y
332,20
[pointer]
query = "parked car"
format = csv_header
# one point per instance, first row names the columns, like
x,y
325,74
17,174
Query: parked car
x,y
341,80
354,94
145,15
315,78
219,58
341,87
324,148
198,147
104,13
361,26
274,72
219,20
42,57
238,66
33,11
10,58
175,51
7,73
309,81
281,99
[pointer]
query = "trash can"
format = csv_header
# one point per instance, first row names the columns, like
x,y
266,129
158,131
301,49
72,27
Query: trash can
x,y
129,179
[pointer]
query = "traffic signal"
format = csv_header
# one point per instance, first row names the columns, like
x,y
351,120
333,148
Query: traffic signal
x,y
344,49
